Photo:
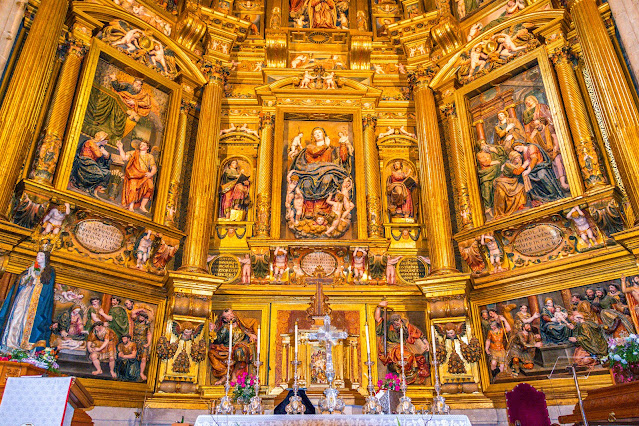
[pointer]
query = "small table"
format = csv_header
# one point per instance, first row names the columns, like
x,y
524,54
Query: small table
x,y
333,420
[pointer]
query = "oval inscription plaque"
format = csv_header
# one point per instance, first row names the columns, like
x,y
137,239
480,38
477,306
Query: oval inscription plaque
x,y
225,266
410,269
538,239
98,236
311,261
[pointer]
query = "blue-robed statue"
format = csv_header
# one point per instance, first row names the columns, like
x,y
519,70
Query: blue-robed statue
x,y
27,312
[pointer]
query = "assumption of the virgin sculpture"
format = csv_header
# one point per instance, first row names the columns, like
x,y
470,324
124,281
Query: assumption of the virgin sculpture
x,y
184,184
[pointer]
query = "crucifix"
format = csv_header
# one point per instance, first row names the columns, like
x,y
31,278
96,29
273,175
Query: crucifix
x,y
329,336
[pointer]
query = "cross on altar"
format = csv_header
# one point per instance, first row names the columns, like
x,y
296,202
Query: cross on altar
x,y
329,335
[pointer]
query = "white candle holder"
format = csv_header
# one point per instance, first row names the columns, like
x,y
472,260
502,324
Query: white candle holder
x,y
372,405
439,405
405,405
295,404
255,404
225,406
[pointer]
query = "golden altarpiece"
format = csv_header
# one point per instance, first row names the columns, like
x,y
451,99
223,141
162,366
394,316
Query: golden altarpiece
x,y
466,165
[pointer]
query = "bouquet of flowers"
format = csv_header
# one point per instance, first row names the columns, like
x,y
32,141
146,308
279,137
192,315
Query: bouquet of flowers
x,y
390,382
623,358
244,387
45,359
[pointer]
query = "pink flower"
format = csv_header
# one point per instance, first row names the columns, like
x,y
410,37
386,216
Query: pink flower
x,y
232,384
252,382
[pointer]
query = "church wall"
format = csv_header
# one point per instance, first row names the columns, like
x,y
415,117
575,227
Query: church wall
x,y
393,161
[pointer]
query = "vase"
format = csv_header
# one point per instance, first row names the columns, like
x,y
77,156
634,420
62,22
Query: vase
x,y
627,374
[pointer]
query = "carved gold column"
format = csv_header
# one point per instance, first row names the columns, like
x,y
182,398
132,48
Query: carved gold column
x,y
587,152
458,165
265,177
613,91
371,168
175,184
46,156
199,219
434,193
24,96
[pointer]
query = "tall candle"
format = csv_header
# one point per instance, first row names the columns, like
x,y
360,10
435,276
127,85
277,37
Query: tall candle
x,y
258,343
368,343
432,333
296,338
230,339
401,341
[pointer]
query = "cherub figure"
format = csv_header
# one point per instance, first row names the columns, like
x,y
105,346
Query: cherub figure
x,y
560,317
245,128
245,263
477,60
343,21
493,251
306,80
474,31
157,56
343,138
337,205
296,145
389,131
507,46
130,40
347,185
405,132
329,81
391,274
279,263
143,251
359,263
299,22
582,225
231,128
52,222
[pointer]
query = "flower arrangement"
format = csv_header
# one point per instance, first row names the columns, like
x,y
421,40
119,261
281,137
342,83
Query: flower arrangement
x,y
45,359
244,387
623,358
390,382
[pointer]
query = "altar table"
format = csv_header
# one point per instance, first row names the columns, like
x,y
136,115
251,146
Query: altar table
x,y
334,420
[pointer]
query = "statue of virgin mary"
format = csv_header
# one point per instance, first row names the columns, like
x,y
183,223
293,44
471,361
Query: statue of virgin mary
x,y
26,314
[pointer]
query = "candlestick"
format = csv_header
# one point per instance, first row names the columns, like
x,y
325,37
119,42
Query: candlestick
x,y
255,404
405,405
225,406
372,405
439,405
295,404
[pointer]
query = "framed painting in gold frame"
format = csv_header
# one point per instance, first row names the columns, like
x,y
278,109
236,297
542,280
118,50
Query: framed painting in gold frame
x,y
121,135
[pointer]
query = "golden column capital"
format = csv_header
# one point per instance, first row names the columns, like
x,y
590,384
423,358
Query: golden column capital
x,y
614,93
264,176
214,71
434,192
586,149
371,170
24,96
203,187
49,146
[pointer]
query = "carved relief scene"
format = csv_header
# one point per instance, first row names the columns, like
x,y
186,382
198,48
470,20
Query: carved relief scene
x,y
518,154
318,188
321,14
530,337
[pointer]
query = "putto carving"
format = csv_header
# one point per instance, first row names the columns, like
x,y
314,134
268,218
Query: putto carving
x,y
319,78
496,50
141,46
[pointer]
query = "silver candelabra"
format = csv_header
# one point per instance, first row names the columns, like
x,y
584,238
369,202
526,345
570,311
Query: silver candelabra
x,y
255,404
225,406
295,404
372,405
439,402
405,405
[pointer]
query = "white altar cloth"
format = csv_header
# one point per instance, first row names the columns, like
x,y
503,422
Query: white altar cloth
x,y
334,420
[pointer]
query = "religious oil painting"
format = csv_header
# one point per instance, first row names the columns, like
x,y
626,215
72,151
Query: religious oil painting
x,y
381,25
518,157
103,336
464,9
319,14
118,151
240,328
318,187
388,325
526,338
234,191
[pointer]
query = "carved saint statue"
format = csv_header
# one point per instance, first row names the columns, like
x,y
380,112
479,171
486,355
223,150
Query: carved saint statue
x,y
243,350
399,190
234,192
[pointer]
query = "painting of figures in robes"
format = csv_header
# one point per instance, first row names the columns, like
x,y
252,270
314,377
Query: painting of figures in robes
x,y
518,156
102,336
117,156
318,188
388,323
525,337
326,14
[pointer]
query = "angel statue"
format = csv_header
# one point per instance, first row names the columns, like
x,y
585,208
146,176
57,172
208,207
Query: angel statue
x,y
244,346
182,342
458,349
